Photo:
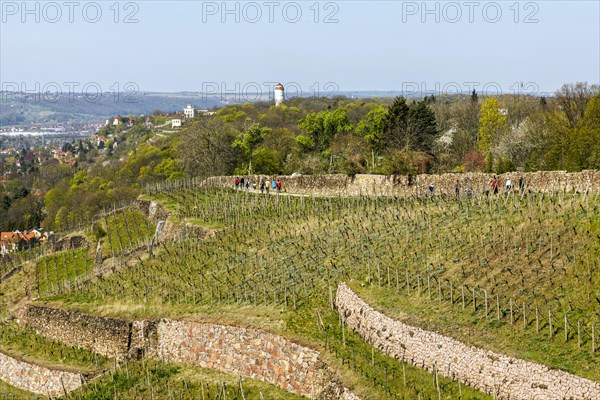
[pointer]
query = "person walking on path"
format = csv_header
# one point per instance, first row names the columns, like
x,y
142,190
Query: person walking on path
x,y
457,189
278,184
495,185
262,185
268,185
237,183
274,184
508,185
247,184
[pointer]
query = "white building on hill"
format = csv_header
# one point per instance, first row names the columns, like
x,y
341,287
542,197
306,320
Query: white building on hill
x,y
189,111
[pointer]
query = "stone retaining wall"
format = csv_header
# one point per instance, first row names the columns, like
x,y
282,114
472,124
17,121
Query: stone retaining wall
x,y
10,273
499,375
241,351
397,185
170,231
36,379
153,210
107,336
68,242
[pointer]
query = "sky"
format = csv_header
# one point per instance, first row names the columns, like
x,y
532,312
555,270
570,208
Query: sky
x,y
310,47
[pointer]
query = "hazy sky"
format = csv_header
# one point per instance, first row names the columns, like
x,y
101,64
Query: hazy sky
x,y
350,45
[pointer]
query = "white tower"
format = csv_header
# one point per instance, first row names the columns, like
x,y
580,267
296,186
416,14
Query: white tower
x,y
279,97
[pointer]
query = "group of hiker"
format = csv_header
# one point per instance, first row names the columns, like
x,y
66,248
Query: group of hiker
x,y
264,184
495,185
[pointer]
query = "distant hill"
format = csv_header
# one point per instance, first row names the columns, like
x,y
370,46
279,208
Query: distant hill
x,y
25,109
17,108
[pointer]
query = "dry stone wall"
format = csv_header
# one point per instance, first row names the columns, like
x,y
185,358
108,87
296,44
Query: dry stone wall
x,y
153,210
240,351
37,379
170,231
107,336
499,375
397,185
10,273
68,242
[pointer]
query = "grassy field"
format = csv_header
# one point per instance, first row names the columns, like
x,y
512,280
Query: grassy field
x,y
274,262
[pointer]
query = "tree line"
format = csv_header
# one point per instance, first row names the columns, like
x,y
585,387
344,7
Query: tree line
x,y
451,133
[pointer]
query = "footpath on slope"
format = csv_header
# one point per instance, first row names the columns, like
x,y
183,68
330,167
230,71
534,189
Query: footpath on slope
x,y
496,374
399,185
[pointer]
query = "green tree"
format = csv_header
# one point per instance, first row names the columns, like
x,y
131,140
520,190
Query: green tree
x,y
266,161
549,134
489,162
584,143
249,139
318,129
61,219
411,128
423,127
492,125
566,137
54,200
573,100
371,128
396,123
